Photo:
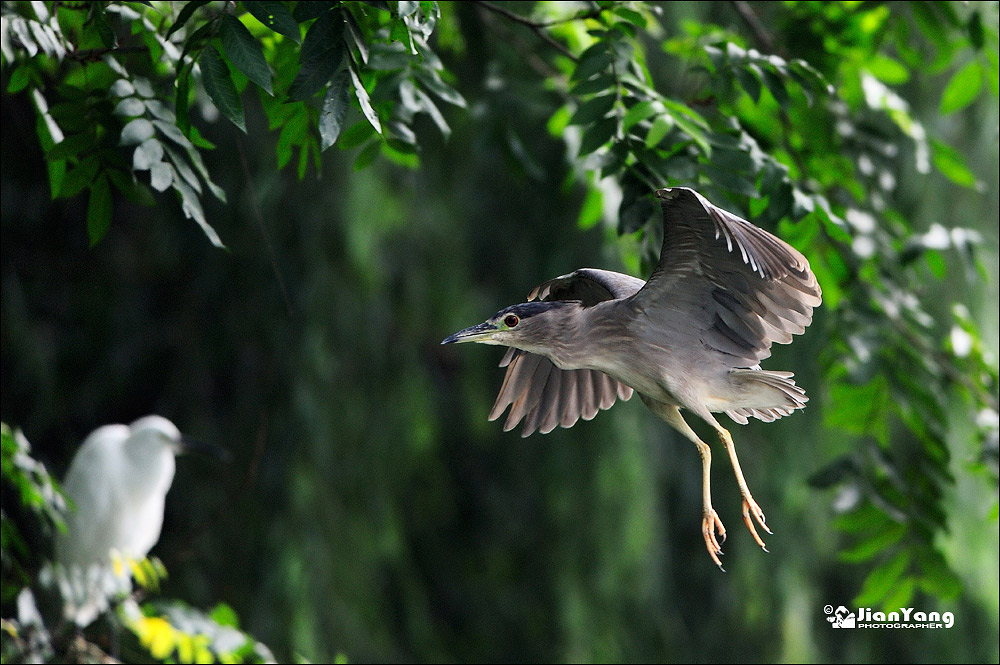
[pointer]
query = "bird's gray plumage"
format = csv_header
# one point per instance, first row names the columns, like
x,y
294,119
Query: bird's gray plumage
x,y
541,393
722,293
691,337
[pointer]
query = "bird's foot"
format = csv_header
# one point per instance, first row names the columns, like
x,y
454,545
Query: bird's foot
x,y
710,526
750,507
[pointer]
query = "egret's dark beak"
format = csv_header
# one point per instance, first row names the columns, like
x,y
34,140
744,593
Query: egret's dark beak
x,y
479,333
188,444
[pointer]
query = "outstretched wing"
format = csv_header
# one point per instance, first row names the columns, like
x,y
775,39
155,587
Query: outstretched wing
x,y
724,283
541,393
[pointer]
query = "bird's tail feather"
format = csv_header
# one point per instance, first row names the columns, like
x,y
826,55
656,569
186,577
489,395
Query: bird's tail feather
x,y
769,395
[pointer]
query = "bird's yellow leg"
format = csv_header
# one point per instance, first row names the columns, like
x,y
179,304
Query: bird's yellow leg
x,y
710,521
750,506
711,526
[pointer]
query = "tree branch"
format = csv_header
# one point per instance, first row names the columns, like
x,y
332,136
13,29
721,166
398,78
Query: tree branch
x,y
539,27
96,53
749,17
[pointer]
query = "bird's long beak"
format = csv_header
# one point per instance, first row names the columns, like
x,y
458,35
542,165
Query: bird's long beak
x,y
478,333
189,444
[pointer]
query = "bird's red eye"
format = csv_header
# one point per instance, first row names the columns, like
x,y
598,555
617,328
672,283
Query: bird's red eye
x,y
510,320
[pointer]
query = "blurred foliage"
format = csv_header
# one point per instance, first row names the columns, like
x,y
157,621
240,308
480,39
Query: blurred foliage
x,y
862,133
27,486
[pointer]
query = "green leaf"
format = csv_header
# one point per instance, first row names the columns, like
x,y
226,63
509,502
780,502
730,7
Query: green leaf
x,y
812,75
185,14
182,99
592,208
881,581
596,84
875,543
678,109
951,164
98,210
19,79
72,146
306,11
80,177
367,155
244,51
276,17
865,517
326,33
197,38
963,88
355,135
592,62
936,263
334,111
365,101
937,577
321,55
130,189
152,42
592,109
638,113
860,409
293,133
57,172
400,33
632,16
749,79
103,29
219,85
888,70
312,76
597,135
729,179
776,86
661,127
407,160
900,594
222,613
692,130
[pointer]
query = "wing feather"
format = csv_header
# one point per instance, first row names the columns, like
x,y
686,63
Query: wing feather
x,y
736,288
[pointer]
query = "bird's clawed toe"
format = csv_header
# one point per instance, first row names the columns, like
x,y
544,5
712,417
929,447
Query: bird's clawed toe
x,y
750,507
713,530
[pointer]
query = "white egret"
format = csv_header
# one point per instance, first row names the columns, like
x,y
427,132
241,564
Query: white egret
x,y
118,482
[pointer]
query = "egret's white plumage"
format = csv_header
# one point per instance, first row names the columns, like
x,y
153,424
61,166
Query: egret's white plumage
x,y
118,482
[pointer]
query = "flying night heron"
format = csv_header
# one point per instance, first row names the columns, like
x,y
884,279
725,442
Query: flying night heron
x,y
118,482
691,337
